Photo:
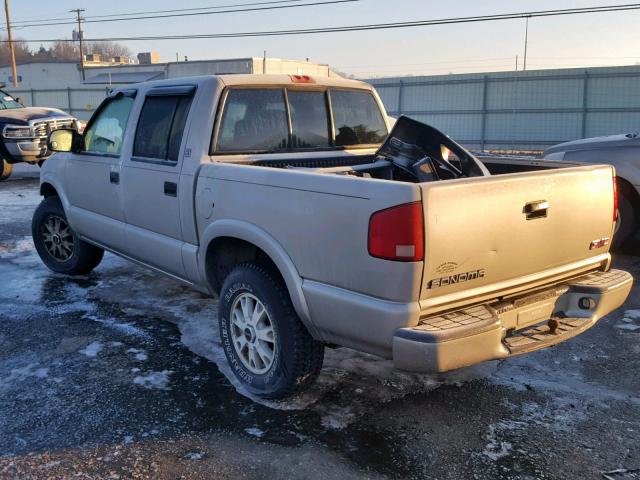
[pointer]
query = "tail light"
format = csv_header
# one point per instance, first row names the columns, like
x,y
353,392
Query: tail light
x,y
397,233
615,199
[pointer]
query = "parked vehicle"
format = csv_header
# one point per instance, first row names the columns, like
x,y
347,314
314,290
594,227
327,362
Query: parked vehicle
x,y
24,132
287,197
621,151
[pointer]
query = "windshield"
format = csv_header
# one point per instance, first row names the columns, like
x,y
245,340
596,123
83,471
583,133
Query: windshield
x,y
7,101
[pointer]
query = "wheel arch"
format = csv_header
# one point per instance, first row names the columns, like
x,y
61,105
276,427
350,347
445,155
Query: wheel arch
x,y
48,190
50,185
235,242
631,190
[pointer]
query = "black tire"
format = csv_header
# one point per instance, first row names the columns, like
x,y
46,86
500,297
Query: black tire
x,y
628,217
79,258
297,357
7,169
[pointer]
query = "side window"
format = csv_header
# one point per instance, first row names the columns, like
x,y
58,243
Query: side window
x,y
160,127
253,120
106,132
357,118
309,119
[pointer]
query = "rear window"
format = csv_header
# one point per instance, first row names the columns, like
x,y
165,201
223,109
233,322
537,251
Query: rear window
x,y
292,119
254,120
309,119
357,119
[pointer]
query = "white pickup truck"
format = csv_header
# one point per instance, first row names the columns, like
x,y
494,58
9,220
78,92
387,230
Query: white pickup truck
x,y
289,198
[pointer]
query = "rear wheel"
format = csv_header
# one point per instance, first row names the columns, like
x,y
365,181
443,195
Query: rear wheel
x,y
628,217
267,346
58,245
7,168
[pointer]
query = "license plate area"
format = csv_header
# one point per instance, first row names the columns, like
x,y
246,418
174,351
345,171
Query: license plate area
x,y
535,314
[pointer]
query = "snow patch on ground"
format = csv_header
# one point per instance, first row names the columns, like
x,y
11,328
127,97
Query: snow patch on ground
x,y
338,418
157,380
194,456
555,415
630,321
14,249
92,350
496,449
138,354
627,326
30,370
632,314
255,432
123,327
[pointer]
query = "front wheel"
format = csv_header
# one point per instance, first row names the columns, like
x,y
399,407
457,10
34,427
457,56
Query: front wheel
x,y
267,346
7,168
58,245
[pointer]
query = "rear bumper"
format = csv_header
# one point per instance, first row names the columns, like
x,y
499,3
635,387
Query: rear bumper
x,y
510,327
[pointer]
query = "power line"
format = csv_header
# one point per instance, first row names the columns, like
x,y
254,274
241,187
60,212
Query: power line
x,y
143,16
378,26
151,12
423,63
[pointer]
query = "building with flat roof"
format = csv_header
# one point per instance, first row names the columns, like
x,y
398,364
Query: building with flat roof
x,y
56,75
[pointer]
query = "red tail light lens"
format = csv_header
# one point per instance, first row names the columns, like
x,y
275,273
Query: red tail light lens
x,y
397,233
615,199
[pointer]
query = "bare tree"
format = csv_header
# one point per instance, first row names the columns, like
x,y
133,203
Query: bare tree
x,y
64,51
108,49
21,48
61,51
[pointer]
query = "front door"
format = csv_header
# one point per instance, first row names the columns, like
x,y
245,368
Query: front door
x,y
92,176
150,179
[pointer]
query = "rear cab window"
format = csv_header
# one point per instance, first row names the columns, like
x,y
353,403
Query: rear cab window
x,y
357,118
283,119
254,120
161,126
309,119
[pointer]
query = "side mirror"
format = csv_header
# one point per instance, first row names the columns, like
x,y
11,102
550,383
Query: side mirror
x,y
62,140
19,100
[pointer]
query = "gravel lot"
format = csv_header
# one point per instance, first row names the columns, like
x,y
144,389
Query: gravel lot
x,y
120,375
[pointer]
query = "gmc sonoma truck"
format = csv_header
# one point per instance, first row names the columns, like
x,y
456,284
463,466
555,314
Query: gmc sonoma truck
x,y
24,132
289,199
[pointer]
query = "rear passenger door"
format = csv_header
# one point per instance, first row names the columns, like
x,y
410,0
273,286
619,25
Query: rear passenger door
x,y
150,179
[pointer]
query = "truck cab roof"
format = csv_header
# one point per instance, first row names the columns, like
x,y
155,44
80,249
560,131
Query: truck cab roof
x,y
253,79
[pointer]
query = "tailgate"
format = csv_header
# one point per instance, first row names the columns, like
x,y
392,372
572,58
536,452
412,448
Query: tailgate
x,y
491,236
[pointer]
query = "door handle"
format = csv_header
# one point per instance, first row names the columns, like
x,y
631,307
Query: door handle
x,y
537,209
171,189
114,177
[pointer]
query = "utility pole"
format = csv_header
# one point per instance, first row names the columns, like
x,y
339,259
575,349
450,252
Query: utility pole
x,y
14,70
526,42
78,11
516,63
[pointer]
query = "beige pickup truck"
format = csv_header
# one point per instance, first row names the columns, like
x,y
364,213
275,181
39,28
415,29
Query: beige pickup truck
x,y
290,199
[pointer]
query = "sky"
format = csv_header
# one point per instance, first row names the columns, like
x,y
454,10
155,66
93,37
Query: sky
x,y
569,41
